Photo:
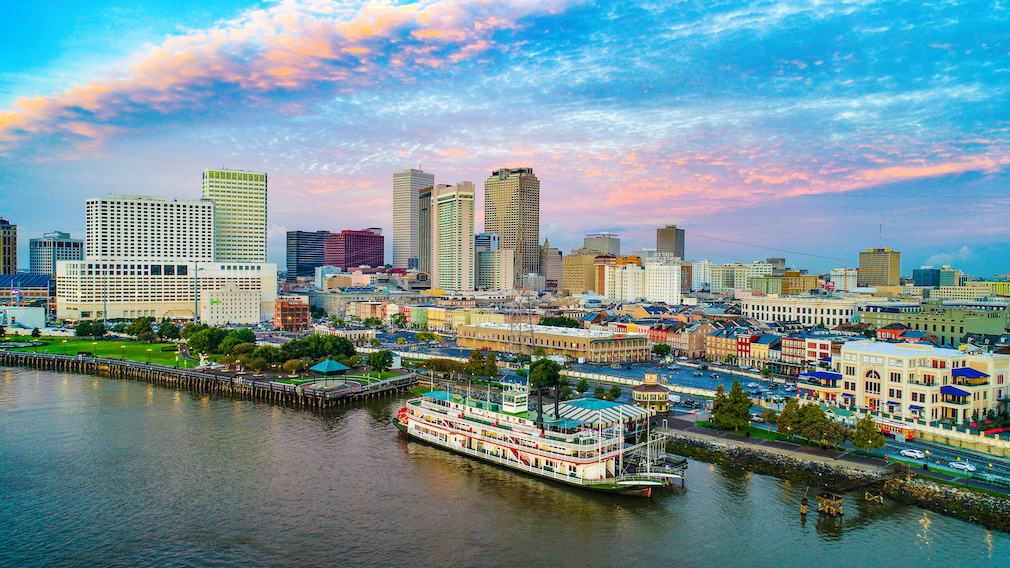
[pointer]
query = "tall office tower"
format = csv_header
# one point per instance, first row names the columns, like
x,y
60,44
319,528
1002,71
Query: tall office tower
x,y
43,253
424,230
550,266
670,241
512,210
407,186
305,251
701,274
8,247
606,243
138,227
147,256
879,267
484,242
452,237
495,269
351,249
240,214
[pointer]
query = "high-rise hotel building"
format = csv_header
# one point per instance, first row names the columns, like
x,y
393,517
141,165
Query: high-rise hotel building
x,y
452,236
8,247
240,214
406,187
147,256
43,253
512,211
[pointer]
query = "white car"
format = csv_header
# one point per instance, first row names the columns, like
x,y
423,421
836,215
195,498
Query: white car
x,y
965,466
917,454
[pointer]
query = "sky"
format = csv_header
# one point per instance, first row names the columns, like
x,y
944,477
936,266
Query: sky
x,y
804,130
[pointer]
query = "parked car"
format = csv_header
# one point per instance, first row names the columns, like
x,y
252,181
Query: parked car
x,y
917,454
963,466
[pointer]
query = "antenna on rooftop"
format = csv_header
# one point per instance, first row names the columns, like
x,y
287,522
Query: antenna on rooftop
x,y
880,235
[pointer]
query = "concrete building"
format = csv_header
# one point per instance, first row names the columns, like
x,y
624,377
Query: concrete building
x,y
407,186
424,230
879,267
653,282
729,278
324,272
28,289
352,249
240,214
910,380
670,240
604,243
8,247
595,346
534,283
141,228
934,277
305,252
22,319
791,282
701,274
808,310
452,239
960,293
844,279
650,394
948,323
43,253
483,242
291,313
496,269
577,271
512,211
550,266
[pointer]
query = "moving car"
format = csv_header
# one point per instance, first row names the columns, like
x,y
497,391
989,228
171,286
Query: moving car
x,y
917,454
963,466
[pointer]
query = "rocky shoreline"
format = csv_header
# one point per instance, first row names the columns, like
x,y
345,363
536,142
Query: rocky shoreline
x,y
962,503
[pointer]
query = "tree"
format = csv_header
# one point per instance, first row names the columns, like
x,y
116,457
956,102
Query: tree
x,y
582,386
730,358
734,412
974,414
97,329
244,349
83,329
338,322
398,320
294,365
813,422
141,328
867,436
788,421
769,416
374,322
719,402
401,340
168,329
545,374
380,360
36,332
375,342
615,392
559,321
661,349
835,433
599,392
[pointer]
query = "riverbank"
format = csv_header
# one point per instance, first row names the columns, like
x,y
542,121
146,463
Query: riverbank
x,y
261,388
964,503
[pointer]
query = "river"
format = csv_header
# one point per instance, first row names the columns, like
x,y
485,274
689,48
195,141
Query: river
x,y
99,472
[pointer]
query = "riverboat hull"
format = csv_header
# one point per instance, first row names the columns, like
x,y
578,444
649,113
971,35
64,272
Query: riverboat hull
x,y
630,490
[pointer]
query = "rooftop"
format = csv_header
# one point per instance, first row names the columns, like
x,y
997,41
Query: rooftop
x,y
901,349
551,330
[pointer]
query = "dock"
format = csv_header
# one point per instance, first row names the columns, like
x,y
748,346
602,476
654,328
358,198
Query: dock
x,y
203,381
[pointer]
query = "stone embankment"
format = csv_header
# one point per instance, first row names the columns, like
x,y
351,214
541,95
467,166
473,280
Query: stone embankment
x,y
967,504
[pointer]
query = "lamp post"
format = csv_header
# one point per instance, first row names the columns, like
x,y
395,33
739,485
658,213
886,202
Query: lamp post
x,y
94,348
64,346
122,352
148,356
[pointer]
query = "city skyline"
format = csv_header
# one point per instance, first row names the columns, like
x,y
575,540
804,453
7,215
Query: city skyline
x,y
761,129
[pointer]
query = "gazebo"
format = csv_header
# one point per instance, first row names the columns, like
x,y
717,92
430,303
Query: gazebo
x,y
329,368
650,394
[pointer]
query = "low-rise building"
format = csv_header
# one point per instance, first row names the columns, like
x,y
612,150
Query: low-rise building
x,y
650,394
595,346
810,310
291,313
948,323
910,380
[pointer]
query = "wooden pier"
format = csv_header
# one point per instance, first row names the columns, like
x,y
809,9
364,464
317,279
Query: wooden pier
x,y
202,381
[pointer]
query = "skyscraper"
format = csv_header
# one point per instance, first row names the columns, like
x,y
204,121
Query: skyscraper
x,y
351,249
305,251
879,267
8,247
670,241
512,210
452,237
550,266
424,230
406,191
43,253
240,214
606,243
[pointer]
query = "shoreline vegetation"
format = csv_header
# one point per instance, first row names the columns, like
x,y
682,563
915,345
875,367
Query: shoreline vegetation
x,y
965,503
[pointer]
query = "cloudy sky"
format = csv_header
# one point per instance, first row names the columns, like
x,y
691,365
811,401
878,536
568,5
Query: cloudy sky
x,y
809,130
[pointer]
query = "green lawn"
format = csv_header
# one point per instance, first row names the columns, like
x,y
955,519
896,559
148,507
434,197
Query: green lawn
x,y
755,432
133,350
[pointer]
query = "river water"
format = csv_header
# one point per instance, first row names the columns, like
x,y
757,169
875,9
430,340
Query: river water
x,y
99,472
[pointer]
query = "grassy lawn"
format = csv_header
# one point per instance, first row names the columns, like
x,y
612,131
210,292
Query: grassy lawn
x,y
377,376
755,432
133,350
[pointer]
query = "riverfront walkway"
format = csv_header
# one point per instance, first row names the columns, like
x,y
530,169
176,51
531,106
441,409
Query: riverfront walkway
x,y
796,451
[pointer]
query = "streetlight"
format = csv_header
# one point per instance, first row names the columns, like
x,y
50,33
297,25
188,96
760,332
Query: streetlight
x,y
148,356
122,352
64,346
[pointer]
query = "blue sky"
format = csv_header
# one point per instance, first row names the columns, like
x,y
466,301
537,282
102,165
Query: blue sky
x,y
809,130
